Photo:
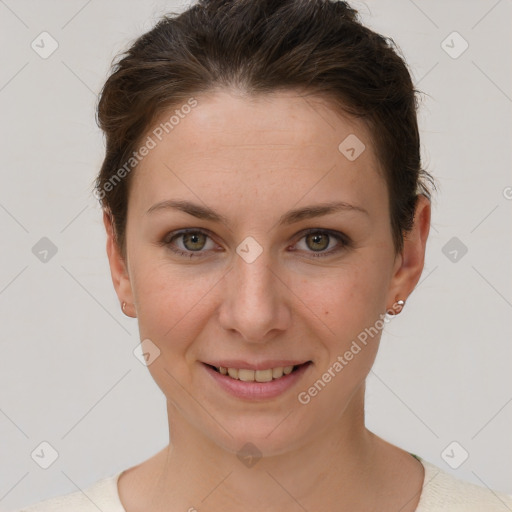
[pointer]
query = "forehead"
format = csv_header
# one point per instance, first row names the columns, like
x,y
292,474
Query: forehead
x,y
251,143
273,118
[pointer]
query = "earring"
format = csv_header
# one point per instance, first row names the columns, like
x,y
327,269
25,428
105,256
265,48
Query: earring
x,y
397,307
123,307
399,304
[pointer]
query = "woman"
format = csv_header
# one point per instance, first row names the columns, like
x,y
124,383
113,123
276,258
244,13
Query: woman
x,y
266,215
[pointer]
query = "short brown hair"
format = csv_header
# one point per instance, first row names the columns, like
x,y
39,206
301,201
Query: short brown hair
x,y
262,46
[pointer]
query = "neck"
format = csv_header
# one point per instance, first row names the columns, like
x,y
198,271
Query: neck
x,y
339,468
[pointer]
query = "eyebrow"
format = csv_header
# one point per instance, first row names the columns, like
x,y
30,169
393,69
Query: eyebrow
x,y
291,217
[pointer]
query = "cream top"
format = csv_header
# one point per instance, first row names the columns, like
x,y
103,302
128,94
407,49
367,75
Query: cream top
x,y
441,492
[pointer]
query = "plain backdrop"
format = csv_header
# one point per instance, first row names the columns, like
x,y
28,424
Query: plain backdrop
x,y
68,376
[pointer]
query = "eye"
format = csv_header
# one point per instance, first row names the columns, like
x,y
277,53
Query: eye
x,y
193,241
318,240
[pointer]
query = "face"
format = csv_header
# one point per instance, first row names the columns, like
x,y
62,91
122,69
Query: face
x,y
264,276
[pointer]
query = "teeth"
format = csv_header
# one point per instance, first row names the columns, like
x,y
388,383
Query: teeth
x,y
277,372
256,375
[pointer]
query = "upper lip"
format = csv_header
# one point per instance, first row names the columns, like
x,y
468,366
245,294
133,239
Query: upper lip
x,y
261,365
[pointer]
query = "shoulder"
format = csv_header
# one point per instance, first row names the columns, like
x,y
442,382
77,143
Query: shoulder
x,y
101,495
442,492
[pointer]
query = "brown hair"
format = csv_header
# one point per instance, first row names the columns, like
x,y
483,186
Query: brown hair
x,y
260,46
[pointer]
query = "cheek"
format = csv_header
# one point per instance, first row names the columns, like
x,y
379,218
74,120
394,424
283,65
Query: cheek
x,y
350,306
169,304
170,313
346,299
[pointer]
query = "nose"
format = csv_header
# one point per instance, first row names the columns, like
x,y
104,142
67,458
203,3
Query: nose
x,y
255,299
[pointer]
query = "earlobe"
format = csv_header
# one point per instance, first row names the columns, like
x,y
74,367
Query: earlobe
x,y
118,268
412,258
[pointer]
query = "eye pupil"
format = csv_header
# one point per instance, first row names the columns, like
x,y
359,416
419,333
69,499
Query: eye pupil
x,y
193,238
317,237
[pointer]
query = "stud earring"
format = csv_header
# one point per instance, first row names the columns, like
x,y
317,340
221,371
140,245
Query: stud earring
x,y
397,307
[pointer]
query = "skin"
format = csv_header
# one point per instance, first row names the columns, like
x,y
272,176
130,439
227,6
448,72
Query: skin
x,y
252,159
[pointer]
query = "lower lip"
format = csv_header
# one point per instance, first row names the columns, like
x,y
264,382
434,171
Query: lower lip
x,y
257,390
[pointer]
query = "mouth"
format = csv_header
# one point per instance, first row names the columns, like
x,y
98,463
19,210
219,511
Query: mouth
x,y
264,375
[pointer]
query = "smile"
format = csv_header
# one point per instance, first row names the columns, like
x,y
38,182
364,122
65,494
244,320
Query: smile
x,y
256,375
264,381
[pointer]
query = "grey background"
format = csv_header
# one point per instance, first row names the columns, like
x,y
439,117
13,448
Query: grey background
x,y
68,374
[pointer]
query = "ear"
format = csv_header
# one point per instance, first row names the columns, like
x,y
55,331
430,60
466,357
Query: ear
x,y
118,268
409,263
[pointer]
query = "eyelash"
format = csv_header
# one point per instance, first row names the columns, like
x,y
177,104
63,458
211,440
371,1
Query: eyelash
x,y
345,242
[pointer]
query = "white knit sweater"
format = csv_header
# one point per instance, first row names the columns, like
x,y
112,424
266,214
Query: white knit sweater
x,y
441,493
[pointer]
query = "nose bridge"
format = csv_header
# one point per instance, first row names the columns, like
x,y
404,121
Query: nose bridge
x,y
254,278
252,303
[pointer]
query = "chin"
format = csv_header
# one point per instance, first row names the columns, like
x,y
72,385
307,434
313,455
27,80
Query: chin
x,y
263,435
